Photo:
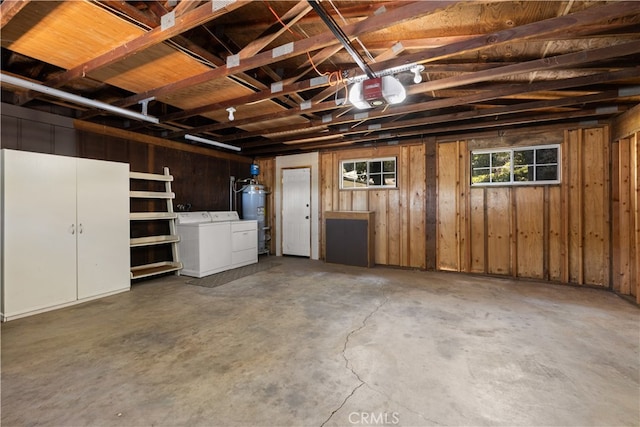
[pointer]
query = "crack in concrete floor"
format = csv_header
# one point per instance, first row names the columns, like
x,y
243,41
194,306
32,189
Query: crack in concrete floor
x,y
347,362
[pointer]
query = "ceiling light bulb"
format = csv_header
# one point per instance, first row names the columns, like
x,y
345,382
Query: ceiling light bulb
x,y
231,110
416,70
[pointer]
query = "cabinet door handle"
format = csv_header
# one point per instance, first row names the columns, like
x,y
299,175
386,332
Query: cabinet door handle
x,y
79,228
72,229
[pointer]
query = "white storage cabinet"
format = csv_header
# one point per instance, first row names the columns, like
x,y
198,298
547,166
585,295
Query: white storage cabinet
x,y
65,231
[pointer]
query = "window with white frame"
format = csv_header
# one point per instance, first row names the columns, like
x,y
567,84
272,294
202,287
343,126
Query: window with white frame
x,y
374,173
516,166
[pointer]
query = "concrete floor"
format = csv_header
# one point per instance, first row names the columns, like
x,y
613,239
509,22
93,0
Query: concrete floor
x,y
313,344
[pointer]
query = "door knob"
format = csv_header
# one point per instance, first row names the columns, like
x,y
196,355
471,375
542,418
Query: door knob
x,y
306,217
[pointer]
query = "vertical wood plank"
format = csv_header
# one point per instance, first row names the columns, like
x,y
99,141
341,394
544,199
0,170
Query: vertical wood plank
x,y
447,207
555,255
345,198
477,226
378,203
635,247
513,233
623,225
529,222
464,184
565,187
615,216
595,249
417,203
393,227
606,200
498,214
405,212
326,182
574,206
431,202
359,201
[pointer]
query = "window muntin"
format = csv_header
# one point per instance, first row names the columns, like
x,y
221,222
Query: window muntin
x,y
374,173
516,166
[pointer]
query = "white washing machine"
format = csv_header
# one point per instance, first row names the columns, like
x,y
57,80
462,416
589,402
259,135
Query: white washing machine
x,y
204,245
211,242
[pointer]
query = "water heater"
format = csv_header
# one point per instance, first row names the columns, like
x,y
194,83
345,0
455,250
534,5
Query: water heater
x,y
253,207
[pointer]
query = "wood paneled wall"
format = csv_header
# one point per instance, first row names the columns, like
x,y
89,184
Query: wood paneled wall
x,y
551,232
201,175
400,221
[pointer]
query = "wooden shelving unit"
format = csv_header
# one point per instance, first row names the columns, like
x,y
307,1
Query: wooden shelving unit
x,y
174,264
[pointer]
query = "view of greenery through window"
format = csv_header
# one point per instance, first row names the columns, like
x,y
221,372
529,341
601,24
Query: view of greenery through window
x,y
513,166
369,173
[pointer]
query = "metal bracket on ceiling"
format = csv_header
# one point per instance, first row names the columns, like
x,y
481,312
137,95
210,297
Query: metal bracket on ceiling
x,y
145,104
342,37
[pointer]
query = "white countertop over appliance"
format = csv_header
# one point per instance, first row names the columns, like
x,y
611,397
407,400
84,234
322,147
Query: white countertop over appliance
x,y
193,218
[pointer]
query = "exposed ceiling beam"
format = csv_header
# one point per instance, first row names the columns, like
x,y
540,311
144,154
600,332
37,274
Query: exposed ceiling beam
x,y
407,12
9,9
547,28
293,15
492,93
476,114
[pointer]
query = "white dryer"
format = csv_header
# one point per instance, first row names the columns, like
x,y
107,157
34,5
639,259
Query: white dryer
x,y
204,244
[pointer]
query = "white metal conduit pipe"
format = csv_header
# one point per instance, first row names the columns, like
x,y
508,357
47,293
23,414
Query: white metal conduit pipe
x,y
15,81
211,142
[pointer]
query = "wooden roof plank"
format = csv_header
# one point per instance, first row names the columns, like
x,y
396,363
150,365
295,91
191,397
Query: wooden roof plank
x,y
546,27
157,35
409,11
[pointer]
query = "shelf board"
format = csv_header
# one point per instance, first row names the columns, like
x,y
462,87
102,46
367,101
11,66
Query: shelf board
x,y
151,195
153,240
147,270
142,216
150,176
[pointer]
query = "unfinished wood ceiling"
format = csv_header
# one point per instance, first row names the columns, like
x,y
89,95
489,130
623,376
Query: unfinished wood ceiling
x,y
488,66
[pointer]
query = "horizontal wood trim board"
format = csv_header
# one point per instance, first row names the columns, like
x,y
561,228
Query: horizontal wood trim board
x,y
85,126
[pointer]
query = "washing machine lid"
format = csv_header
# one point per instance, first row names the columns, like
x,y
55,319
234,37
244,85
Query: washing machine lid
x,y
220,216
193,217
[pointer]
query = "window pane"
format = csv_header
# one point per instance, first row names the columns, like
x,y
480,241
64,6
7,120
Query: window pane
x,y
348,167
375,167
480,160
348,184
480,175
389,166
547,155
523,173
501,174
524,157
546,173
361,171
390,179
375,180
500,158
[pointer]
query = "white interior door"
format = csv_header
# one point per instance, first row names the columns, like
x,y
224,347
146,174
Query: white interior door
x,y
296,212
103,227
39,219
